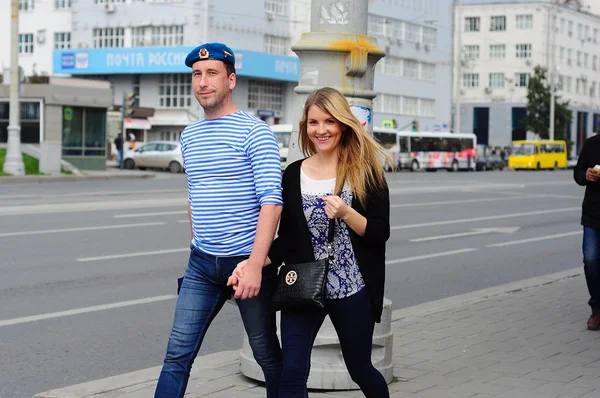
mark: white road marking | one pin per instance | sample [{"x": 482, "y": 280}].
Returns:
[
  {"x": 73, "y": 207},
  {"x": 84, "y": 310},
  {"x": 452, "y": 202},
  {"x": 548, "y": 237},
  {"x": 498, "y": 217},
  {"x": 80, "y": 229},
  {"x": 476, "y": 231},
  {"x": 457, "y": 187},
  {"x": 164, "y": 213},
  {"x": 432, "y": 255},
  {"x": 128, "y": 255}
]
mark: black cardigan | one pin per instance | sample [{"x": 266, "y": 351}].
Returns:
[
  {"x": 588, "y": 158},
  {"x": 293, "y": 244}
]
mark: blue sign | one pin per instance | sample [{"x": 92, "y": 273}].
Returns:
[{"x": 150, "y": 60}]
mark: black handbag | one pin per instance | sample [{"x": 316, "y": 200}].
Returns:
[{"x": 301, "y": 286}]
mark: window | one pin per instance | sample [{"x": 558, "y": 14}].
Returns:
[
  {"x": 62, "y": 40},
  {"x": 521, "y": 79},
  {"x": 411, "y": 69},
  {"x": 26, "y": 43},
  {"x": 577, "y": 86},
  {"x": 587, "y": 32},
  {"x": 166, "y": 36},
  {"x": 585, "y": 59},
  {"x": 471, "y": 80},
  {"x": 276, "y": 45},
  {"x": 109, "y": 1},
  {"x": 429, "y": 36},
  {"x": 276, "y": 7},
  {"x": 265, "y": 95},
  {"x": 568, "y": 84},
  {"x": 376, "y": 26},
  {"x": 562, "y": 25},
  {"x": 497, "y": 23},
  {"x": 579, "y": 31},
  {"x": 578, "y": 58},
  {"x": 427, "y": 108},
  {"x": 497, "y": 51},
  {"x": 390, "y": 66},
  {"x": 29, "y": 119},
  {"x": 569, "y": 56},
  {"x": 413, "y": 33},
  {"x": 428, "y": 72},
  {"x": 58, "y": 4},
  {"x": 26, "y": 5},
  {"x": 595, "y": 38},
  {"x": 472, "y": 24},
  {"x": 387, "y": 103},
  {"x": 524, "y": 21},
  {"x": 174, "y": 90},
  {"x": 471, "y": 52},
  {"x": 595, "y": 62},
  {"x": 410, "y": 106},
  {"x": 561, "y": 54},
  {"x": 523, "y": 50},
  {"x": 570, "y": 29},
  {"x": 84, "y": 132},
  {"x": 496, "y": 80},
  {"x": 109, "y": 37}
]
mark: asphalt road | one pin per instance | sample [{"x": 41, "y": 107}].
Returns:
[{"x": 81, "y": 298}]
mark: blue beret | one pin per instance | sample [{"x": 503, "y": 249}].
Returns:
[{"x": 216, "y": 51}]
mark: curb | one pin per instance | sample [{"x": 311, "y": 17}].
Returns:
[
  {"x": 70, "y": 178},
  {"x": 147, "y": 377}
]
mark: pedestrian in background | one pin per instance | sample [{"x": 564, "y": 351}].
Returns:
[
  {"x": 233, "y": 171},
  {"x": 587, "y": 174},
  {"x": 119, "y": 145},
  {"x": 343, "y": 159}
]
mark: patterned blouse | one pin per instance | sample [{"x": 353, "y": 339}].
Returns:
[{"x": 344, "y": 278}]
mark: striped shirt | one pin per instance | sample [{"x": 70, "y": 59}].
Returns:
[{"x": 233, "y": 168}]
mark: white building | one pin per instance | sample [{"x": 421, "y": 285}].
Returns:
[
  {"x": 44, "y": 26},
  {"x": 502, "y": 41},
  {"x": 138, "y": 46}
]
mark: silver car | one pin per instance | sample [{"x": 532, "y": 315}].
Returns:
[{"x": 156, "y": 154}]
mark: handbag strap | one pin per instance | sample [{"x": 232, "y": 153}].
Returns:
[{"x": 331, "y": 231}]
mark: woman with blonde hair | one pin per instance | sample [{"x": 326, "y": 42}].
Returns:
[{"x": 341, "y": 158}]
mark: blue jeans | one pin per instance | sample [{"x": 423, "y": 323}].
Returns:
[
  {"x": 352, "y": 318},
  {"x": 591, "y": 264},
  {"x": 203, "y": 292}
]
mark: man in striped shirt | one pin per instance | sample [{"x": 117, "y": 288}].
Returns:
[{"x": 234, "y": 190}]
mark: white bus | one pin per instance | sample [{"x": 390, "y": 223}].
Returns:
[{"x": 427, "y": 150}]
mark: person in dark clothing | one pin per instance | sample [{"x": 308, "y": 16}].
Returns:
[
  {"x": 587, "y": 174},
  {"x": 119, "y": 144}
]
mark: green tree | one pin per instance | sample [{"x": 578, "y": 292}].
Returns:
[{"x": 537, "y": 119}]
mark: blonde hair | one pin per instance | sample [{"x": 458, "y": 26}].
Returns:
[{"x": 359, "y": 155}]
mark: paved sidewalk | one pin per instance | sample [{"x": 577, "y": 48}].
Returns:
[
  {"x": 525, "y": 339},
  {"x": 110, "y": 173}
]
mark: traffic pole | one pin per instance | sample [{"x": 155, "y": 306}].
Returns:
[
  {"x": 13, "y": 163},
  {"x": 337, "y": 53}
]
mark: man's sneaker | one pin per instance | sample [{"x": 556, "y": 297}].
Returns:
[{"x": 594, "y": 321}]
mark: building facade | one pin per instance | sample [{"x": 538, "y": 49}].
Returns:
[
  {"x": 501, "y": 42},
  {"x": 138, "y": 46}
]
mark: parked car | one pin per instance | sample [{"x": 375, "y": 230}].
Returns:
[
  {"x": 491, "y": 162},
  {"x": 156, "y": 154},
  {"x": 572, "y": 162}
]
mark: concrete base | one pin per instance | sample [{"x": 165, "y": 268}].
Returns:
[{"x": 327, "y": 367}]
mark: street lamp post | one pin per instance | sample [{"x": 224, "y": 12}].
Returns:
[
  {"x": 13, "y": 163},
  {"x": 551, "y": 68}
]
